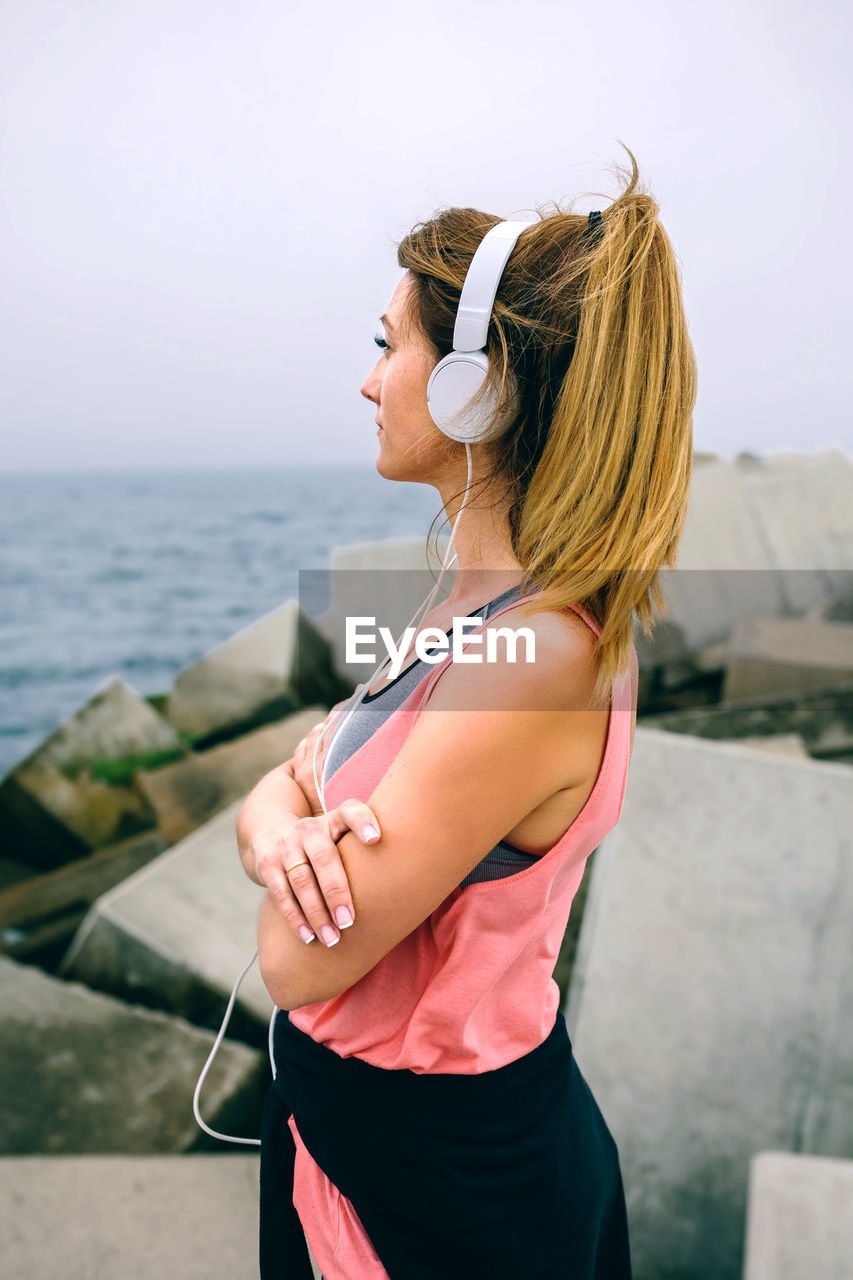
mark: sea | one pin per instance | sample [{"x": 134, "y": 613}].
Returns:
[{"x": 138, "y": 573}]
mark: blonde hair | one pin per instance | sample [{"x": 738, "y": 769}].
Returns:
[{"x": 589, "y": 353}]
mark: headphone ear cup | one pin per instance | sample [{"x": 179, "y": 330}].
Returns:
[{"x": 452, "y": 384}]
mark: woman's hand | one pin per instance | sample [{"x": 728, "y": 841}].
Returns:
[
  {"x": 316, "y": 891},
  {"x": 302, "y": 760}
]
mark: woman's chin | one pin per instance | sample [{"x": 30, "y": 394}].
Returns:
[
  {"x": 386, "y": 467},
  {"x": 409, "y": 468}
]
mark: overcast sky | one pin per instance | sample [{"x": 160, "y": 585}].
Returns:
[{"x": 199, "y": 202}]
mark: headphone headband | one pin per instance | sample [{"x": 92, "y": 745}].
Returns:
[{"x": 481, "y": 284}]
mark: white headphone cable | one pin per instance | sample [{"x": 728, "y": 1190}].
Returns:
[{"x": 250, "y": 1142}]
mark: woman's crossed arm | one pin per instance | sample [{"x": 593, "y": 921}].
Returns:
[{"x": 462, "y": 779}]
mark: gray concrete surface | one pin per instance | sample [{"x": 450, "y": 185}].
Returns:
[
  {"x": 82, "y": 1072},
  {"x": 130, "y": 1218},
  {"x": 770, "y": 655},
  {"x": 115, "y": 723},
  {"x": 275, "y": 666},
  {"x": 176, "y": 934},
  {"x": 780, "y": 744},
  {"x": 840, "y": 609},
  {"x": 81, "y": 882},
  {"x": 772, "y": 536},
  {"x": 386, "y": 579},
  {"x": 52, "y": 810},
  {"x": 800, "y": 1218},
  {"x": 186, "y": 794},
  {"x": 822, "y": 717},
  {"x": 724, "y": 564},
  {"x": 711, "y": 1003},
  {"x": 803, "y": 506},
  {"x": 55, "y": 902}
]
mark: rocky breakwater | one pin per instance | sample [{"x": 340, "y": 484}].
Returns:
[
  {"x": 122, "y": 900},
  {"x": 102, "y": 802}
]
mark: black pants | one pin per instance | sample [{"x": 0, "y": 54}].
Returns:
[{"x": 507, "y": 1173}]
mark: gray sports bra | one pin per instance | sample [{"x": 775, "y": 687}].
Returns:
[{"x": 375, "y": 708}]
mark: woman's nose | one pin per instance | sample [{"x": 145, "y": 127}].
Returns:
[{"x": 372, "y": 384}]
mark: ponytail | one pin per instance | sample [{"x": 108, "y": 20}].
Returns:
[{"x": 589, "y": 330}]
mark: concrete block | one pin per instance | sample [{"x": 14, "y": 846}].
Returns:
[
  {"x": 130, "y": 1218},
  {"x": 800, "y": 1218},
  {"x": 387, "y": 580},
  {"x": 176, "y": 934},
  {"x": 53, "y": 807},
  {"x": 823, "y": 718},
  {"x": 83, "y": 881},
  {"x": 12, "y": 872},
  {"x": 747, "y": 460},
  {"x": 186, "y": 794},
  {"x": 840, "y": 607},
  {"x": 43, "y": 943},
  {"x": 723, "y": 568},
  {"x": 268, "y": 670},
  {"x": 81, "y": 1072},
  {"x": 53, "y": 903},
  {"x": 766, "y": 655},
  {"x": 803, "y": 505},
  {"x": 711, "y": 1003},
  {"x": 780, "y": 744},
  {"x": 665, "y": 647},
  {"x": 771, "y": 536}
]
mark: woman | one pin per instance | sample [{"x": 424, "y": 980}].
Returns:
[{"x": 427, "y": 1118}]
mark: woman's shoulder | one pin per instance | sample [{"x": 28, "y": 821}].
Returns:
[{"x": 529, "y": 657}]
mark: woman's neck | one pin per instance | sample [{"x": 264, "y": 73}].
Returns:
[{"x": 485, "y": 564}]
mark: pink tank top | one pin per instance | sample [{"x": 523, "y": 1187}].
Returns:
[{"x": 471, "y": 988}]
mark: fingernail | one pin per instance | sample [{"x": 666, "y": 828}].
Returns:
[
  {"x": 369, "y": 832},
  {"x": 305, "y": 933},
  {"x": 328, "y": 935},
  {"x": 343, "y": 917}
]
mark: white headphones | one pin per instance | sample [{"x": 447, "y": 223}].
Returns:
[{"x": 459, "y": 376}]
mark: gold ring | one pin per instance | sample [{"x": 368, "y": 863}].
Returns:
[{"x": 304, "y": 863}]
